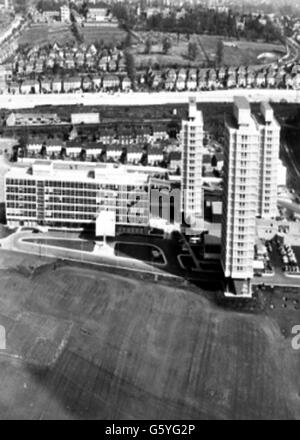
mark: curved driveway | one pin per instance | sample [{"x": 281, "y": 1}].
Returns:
[{"x": 15, "y": 242}]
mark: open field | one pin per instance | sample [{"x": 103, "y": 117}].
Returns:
[
  {"x": 107, "y": 34},
  {"x": 44, "y": 33},
  {"x": 235, "y": 52},
  {"x": 126, "y": 349}
]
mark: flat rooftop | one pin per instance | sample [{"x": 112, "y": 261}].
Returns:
[{"x": 106, "y": 173}]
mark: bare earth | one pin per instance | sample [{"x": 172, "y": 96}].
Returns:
[{"x": 85, "y": 344}]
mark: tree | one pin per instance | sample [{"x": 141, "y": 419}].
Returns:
[
  {"x": 193, "y": 50},
  {"x": 82, "y": 155},
  {"x": 148, "y": 45},
  {"x": 214, "y": 161},
  {"x": 166, "y": 45},
  {"x": 128, "y": 40},
  {"x": 130, "y": 66},
  {"x": 219, "y": 53},
  {"x": 123, "y": 157}
]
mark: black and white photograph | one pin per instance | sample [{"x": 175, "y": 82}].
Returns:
[{"x": 149, "y": 213}]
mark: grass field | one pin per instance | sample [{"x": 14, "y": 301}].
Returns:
[
  {"x": 44, "y": 33},
  {"x": 244, "y": 52},
  {"x": 104, "y": 33},
  {"x": 125, "y": 349}
]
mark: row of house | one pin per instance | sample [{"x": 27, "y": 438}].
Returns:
[
  {"x": 69, "y": 84},
  {"x": 88, "y": 58},
  {"x": 232, "y": 77},
  {"x": 131, "y": 154},
  {"x": 113, "y": 82}
]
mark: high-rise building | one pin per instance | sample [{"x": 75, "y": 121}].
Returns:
[
  {"x": 240, "y": 192},
  {"x": 269, "y": 142},
  {"x": 191, "y": 168}
]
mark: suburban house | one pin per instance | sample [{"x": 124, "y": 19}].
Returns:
[
  {"x": 14, "y": 88},
  {"x": 110, "y": 82},
  {"x": 181, "y": 75},
  {"x": 231, "y": 80},
  {"x": 250, "y": 79},
  {"x": 202, "y": 82},
  {"x": 29, "y": 68},
  {"x": 295, "y": 69},
  {"x": 72, "y": 84},
  {"x": 102, "y": 64},
  {"x": 288, "y": 81},
  {"x": 171, "y": 74},
  {"x": 242, "y": 70},
  {"x": 56, "y": 85},
  {"x": 260, "y": 80},
  {"x": 121, "y": 64},
  {"x": 87, "y": 84},
  {"x": 279, "y": 80},
  {"x": 126, "y": 83},
  {"x": 191, "y": 83},
  {"x": 221, "y": 73},
  {"x": 296, "y": 81},
  {"x": 97, "y": 82},
  {"x": 30, "y": 86},
  {"x": 270, "y": 79},
  {"x": 50, "y": 63},
  {"x": 39, "y": 66},
  {"x": 170, "y": 83},
  {"x": 156, "y": 80},
  {"x": 180, "y": 83},
  {"x": 46, "y": 86},
  {"x": 212, "y": 79},
  {"x": 231, "y": 71},
  {"x": 241, "y": 80}
]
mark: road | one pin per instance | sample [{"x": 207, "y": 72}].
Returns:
[{"x": 145, "y": 98}]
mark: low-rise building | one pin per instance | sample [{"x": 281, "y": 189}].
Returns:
[{"x": 74, "y": 195}]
